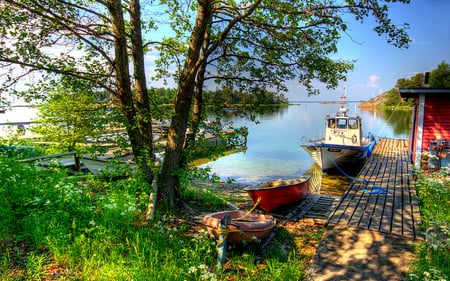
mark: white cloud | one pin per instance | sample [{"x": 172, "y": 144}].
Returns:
[{"x": 373, "y": 81}]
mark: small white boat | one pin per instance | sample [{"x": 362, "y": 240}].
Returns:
[
  {"x": 343, "y": 144},
  {"x": 108, "y": 165}
]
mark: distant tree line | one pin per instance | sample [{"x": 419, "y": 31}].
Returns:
[
  {"x": 439, "y": 78},
  {"x": 225, "y": 97}
]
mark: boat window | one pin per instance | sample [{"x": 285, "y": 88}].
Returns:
[
  {"x": 342, "y": 123},
  {"x": 331, "y": 123},
  {"x": 353, "y": 124}
]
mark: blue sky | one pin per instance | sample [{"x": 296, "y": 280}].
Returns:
[{"x": 379, "y": 65}]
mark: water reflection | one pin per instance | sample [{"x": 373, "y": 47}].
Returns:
[
  {"x": 398, "y": 119},
  {"x": 273, "y": 150},
  {"x": 325, "y": 183}
]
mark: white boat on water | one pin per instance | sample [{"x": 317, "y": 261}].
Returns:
[{"x": 343, "y": 145}]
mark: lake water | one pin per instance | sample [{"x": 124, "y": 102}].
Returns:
[
  {"x": 14, "y": 116},
  {"x": 273, "y": 149}
]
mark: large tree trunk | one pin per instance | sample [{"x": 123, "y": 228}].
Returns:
[
  {"x": 145, "y": 156},
  {"x": 183, "y": 101},
  {"x": 138, "y": 124},
  {"x": 198, "y": 96}
]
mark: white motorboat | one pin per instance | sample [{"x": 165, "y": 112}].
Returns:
[{"x": 343, "y": 145}]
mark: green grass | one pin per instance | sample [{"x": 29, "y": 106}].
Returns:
[
  {"x": 432, "y": 261},
  {"x": 56, "y": 227}
]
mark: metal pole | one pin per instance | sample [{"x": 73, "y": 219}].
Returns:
[{"x": 221, "y": 249}]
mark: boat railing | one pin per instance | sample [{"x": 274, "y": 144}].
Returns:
[{"x": 314, "y": 138}]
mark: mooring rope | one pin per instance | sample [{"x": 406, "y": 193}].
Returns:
[
  {"x": 228, "y": 231},
  {"x": 375, "y": 189},
  {"x": 387, "y": 120}
]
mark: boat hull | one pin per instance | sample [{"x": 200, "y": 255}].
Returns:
[
  {"x": 253, "y": 228},
  {"x": 275, "y": 197},
  {"x": 327, "y": 156},
  {"x": 97, "y": 166}
]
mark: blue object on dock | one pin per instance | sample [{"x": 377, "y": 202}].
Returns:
[{"x": 376, "y": 190}]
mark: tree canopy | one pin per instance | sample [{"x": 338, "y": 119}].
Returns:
[
  {"x": 246, "y": 45},
  {"x": 440, "y": 77}
]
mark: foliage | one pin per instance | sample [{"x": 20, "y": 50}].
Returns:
[
  {"x": 440, "y": 77},
  {"x": 67, "y": 120},
  {"x": 52, "y": 226},
  {"x": 432, "y": 261},
  {"x": 413, "y": 82},
  {"x": 229, "y": 97}
]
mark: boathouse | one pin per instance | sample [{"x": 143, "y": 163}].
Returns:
[{"x": 430, "y": 128}]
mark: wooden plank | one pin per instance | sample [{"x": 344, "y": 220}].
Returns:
[
  {"x": 370, "y": 208},
  {"x": 362, "y": 207},
  {"x": 343, "y": 204},
  {"x": 408, "y": 224},
  {"x": 386, "y": 221},
  {"x": 397, "y": 219},
  {"x": 49, "y": 156},
  {"x": 375, "y": 222}
]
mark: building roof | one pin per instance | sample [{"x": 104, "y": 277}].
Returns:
[{"x": 414, "y": 92}]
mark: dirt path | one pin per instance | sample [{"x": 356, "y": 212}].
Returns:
[{"x": 356, "y": 254}]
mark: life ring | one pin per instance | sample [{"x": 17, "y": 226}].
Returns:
[{"x": 354, "y": 139}]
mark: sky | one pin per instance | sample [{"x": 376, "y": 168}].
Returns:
[{"x": 379, "y": 65}]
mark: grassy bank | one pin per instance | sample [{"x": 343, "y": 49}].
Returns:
[
  {"x": 432, "y": 261},
  {"x": 53, "y": 227}
]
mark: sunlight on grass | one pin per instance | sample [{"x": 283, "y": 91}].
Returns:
[{"x": 55, "y": 226}]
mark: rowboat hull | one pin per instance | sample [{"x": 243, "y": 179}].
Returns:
[
  {"x": 328, "y": 156},
  {"x": 97, "y": 166},
  {"x": 277, "y": 196},
  {"x": 253, "y": 228}
]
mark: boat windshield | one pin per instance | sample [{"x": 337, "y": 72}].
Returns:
[
  {"x": 353, "y": 123},
  {"x": 331, "y": 123},
  {"x": 341, "y": 123}
]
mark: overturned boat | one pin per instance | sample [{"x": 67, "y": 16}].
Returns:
[{"x": 343, "y": 144}]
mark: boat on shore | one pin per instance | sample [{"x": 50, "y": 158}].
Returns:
[
  {"x": 250, "y": 228},
  {"x": 119, "y": 166},
  {"x": 343, "y": 144},
  {"x": 274, "y": 194}
]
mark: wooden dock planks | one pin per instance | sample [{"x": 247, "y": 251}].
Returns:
[{"x": 395, "y": 212}]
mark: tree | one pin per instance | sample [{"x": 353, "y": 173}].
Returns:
[
  {"x": 251, "y": 45},
  {"x": 413, "y": 82},
  {"x": 440, "y": 77},
  {"x": 262, "y": 43},
  {"x": 67, "y": 119},
  {"x": 89, "y": 41}
]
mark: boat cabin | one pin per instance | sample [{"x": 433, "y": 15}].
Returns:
[{"x": 343, "y": 129}]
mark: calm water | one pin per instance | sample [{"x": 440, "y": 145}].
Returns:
[
  {"x": 14, "y": 116},
  {"x": 273, "y": 149}
]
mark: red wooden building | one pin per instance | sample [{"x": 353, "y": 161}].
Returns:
[{"x": 430, "y": 128}]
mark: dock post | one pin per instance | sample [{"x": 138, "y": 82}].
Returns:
[{"x": 222, "y": 246}]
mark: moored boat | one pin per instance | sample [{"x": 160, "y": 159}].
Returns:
[
  {"x": 250, "y": 228},
  {"x": 274, "y": 194},
  {"x": 343, "y": 144}
]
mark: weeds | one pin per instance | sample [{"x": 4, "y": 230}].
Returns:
[
  {"x": 432, "y": 261},
  {"x": 56, "y": 227}
]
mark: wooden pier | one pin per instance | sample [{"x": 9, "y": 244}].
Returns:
[{"x": 383, "y": 196}]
